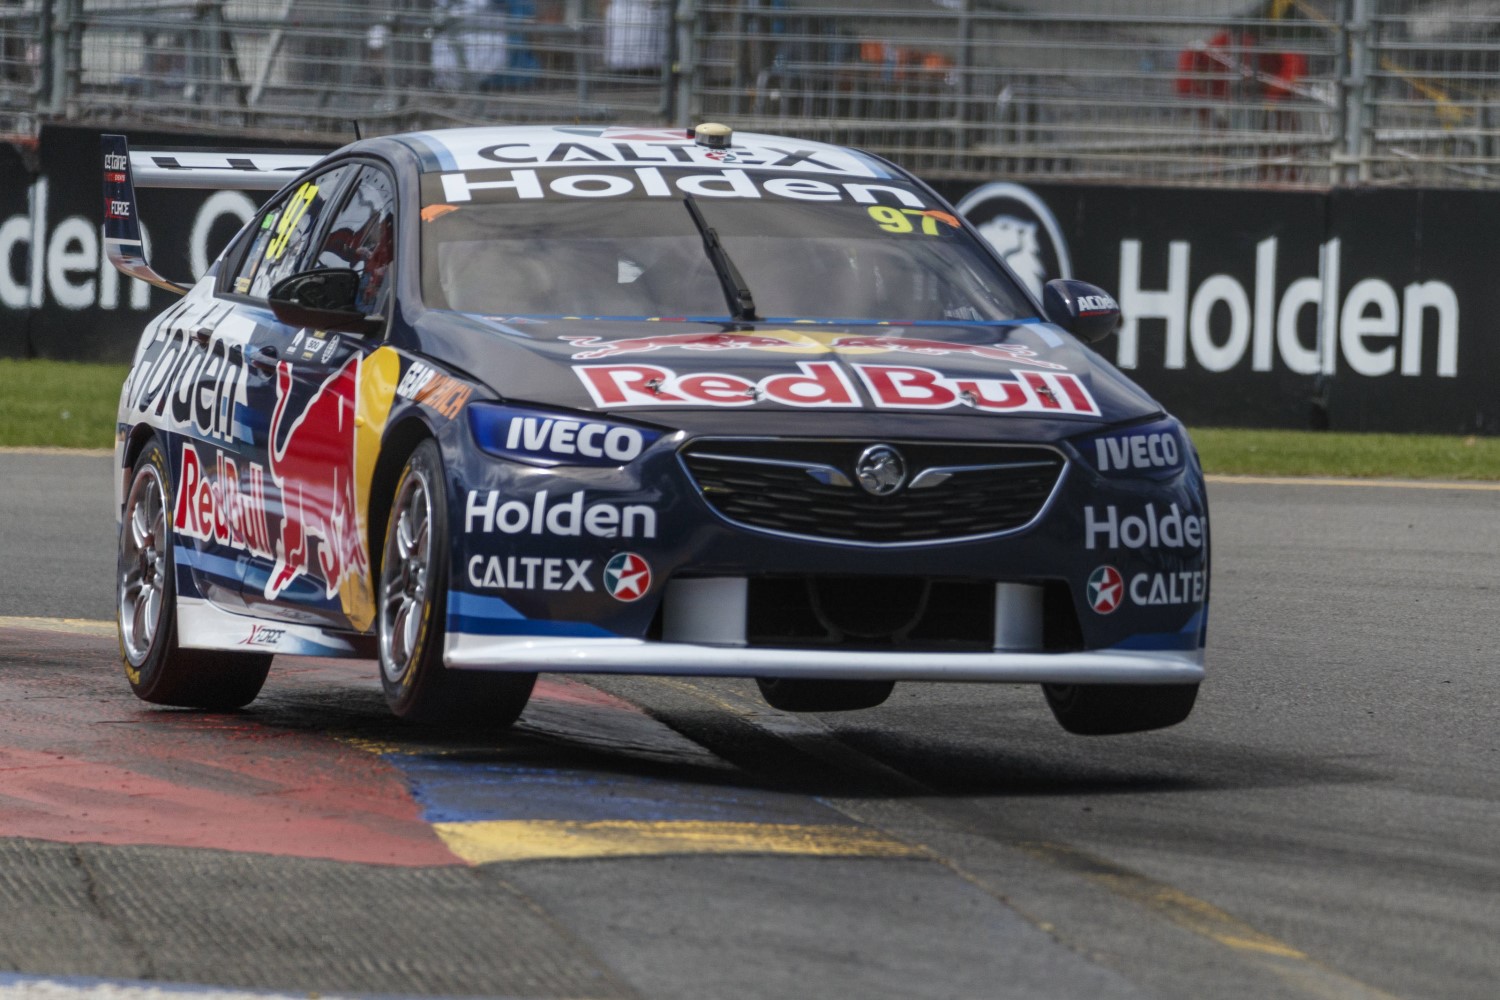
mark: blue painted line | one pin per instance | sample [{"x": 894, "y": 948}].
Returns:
[{"x": 460, "y": 790}]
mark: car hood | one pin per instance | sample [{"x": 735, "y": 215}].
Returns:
[{"x": 651, "y": 369}]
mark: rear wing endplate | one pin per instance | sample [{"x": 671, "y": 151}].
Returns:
[{"x": 192, "y": 169}]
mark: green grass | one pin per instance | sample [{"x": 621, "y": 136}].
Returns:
[
  {"x": 1326, "y": 453},
  {"x": 59, "y": 404},
  {"x": 62, "y": 404}
]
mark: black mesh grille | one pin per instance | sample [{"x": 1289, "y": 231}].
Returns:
[{"x": 783, "y": 486}]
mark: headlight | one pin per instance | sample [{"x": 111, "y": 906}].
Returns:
[{"x": 541, "y": 438}]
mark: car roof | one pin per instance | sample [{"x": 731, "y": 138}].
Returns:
[{"x": 487, "y": 148}]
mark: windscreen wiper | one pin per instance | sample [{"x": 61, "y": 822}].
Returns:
[{"x": 736, "y": 292}]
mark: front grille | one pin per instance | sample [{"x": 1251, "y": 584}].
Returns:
[
  {"x": 910, "y": 613},
  {"x": 809, "y": 488}
]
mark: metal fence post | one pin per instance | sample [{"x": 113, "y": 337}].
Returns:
[
  {"x": 62, "y": 52},
  {"x": 1354, "y": 154},
  {"x": 686, "y": 67}
]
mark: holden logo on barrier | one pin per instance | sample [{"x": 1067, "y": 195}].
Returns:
[
  {"x": 1106, "y": 589},
  {"x": 627, "y": 577},
  {"x": 880, "y": 470},
  {"x": 1021, "y": 229}
]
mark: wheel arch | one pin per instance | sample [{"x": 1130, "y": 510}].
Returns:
[
  {"x": 400, "y": 441},
  {"x": 135, "y": 443}
]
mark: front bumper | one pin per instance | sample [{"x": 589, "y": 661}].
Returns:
[{"x": 640, "y": 656}]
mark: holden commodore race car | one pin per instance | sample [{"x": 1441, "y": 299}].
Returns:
[{"x": 485, "y": 402}]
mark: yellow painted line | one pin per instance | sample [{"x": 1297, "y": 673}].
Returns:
[
  {"x": 1187, "y": 912},
  {"x": 1390, "y": 484},
  {"x": 73, "y": 626},
  {"x": 529, "y": 840}
]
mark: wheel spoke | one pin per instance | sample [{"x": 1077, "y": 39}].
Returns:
[
  {"x": 403, "y": 588},
  {"x": 409, "y": 628},
  {"x": 140, "y": 532}
]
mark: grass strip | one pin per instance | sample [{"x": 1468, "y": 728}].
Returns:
[
  {"x": 1360, "y": 456},
  {"x": 59, "y": 404},
  {"x": 67, "y": 404}
]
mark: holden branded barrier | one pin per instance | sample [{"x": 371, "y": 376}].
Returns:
[
  {"x": 59, "y": 296},
  {"x": 1351, "y": 309}
]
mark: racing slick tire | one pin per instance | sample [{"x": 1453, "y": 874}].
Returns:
[
  {"x": 158, "y": 669},
  {"x": 795, "y": 694},
  {"x": 1110, "y": 709},
  {"x": 412, "y": 599}
]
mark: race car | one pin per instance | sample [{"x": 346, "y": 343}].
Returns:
[{"x": 485, "y": 402}]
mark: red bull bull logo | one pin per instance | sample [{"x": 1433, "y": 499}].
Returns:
[
  {"x": 1012, "y": 353},
  {"x": 807, "y": 343},
  {"x": 684, "y": 341},
  {"x": 312, "y": 458}
]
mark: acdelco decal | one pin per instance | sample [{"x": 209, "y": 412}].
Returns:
[{"x": 824, "y": 384}]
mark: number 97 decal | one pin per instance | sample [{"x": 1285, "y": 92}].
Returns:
[
  {"x": 908, "y": 220},
  {"x": 296, "y": 208}
]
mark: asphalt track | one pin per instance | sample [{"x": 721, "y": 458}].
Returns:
[{"x": 1324, "y": 826}]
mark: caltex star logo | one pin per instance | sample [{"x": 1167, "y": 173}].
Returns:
[
  {"x": 627, "y": 577},
  {"x": 1106, "y": 589}
]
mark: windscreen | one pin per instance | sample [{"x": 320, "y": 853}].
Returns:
[{"x": 603, "y": 245}]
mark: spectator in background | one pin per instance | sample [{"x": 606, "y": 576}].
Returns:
[
  {"x": 635, "y": 36},
  {"x": 469, "y": 47}
]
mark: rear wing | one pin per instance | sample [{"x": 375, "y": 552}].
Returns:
[{"x": 196, "y": 169}]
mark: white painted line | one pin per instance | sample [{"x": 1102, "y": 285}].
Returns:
[
  {"x": 85, "y": 452},
  {"x": 67, "y": 988}
]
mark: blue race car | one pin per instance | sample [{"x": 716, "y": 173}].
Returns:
[{"x": 485, "y": 402}]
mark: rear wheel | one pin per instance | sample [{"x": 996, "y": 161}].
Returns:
[
  {"x": 1108, "y": 709},
  {"x": 159, "y": 670},
  {"x": 413, "y": 595},
  {"x": 795, "y": 694}
]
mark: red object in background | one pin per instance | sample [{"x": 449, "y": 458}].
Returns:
[{"x": 1208, "y": 70}]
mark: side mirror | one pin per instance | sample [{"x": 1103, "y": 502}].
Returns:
[
  {"x": 322, "y": 299},
  {"x": 1084, "y": 310}
]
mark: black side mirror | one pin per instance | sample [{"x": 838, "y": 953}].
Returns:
[
  {"x": 323, "y": 299},
  {"x": 1084, "y": 310}
]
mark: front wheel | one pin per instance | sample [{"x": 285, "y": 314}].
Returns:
[
  {"x": 413, "y": 604},
  {"x": 160, "y": 671},
  {"x": 1109, "y": 709}
]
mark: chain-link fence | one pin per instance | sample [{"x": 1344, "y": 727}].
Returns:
[{"x": 1292, "y": 93}]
